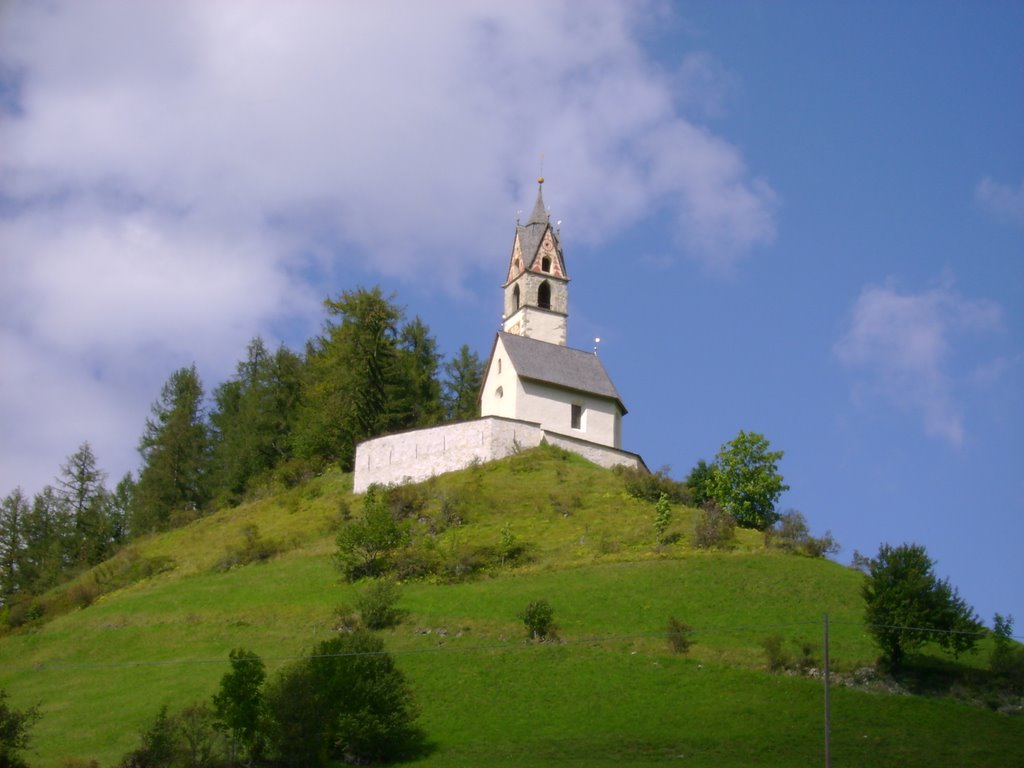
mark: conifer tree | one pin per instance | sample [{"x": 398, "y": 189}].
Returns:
[
  {"x": 14, "y": 511},
  {"x": 174, "y": 448},
  {"x": 253, "y": 417},
  {"x": 418, "y": 395},
  {"x": 352, "y": 370},
  {"x": 80, "y": 488},
  {"x": 463, "y": 377}
]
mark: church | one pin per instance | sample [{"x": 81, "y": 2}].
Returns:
[{"x": 535, "y": 388}]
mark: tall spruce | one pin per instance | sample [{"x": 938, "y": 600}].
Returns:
[
  {"x": 14, "y": 511},
  {"x": 418, "y": 396},
  {"x": 352, "y": 373},
  {"x": 253, "y": 417},
  {"x": 174, "y": 449},
  {"x": 80, "y": 487},
  {"x": 50, "y": 544},
  {"x": 461, "y": 388}
]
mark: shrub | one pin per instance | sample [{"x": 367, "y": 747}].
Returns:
[
  {"x": 364, "y": 546},
  {"x": 1007, "y": 659},
  {"x": 158, "y": 748},
  {"x": 679, "y": 635},
  {"x": 714, "y": 527},
  {"x": 405, "y": 501},
  {"x": 538, "y": 617},
  {"x": 253, "y": 549},
  {"x": 699, "y": 482},
  {"x": 510, "y": 549},
  {"x": 376, "y": 604},
  {"x": 346, "y": 701},
  {"x": 83, "y": 593},
  {"x": 778, "y": 658},
  {"x": 791, "y": 534},
  {"x": 649, "y": 486},
  {"x": 662, "y": 516},
  {"x": 14, "y": 732}
]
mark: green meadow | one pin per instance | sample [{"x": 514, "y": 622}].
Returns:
[{"x": 608, "y": 691}]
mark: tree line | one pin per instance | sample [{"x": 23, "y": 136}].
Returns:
[{"x": 283, "y": 416}]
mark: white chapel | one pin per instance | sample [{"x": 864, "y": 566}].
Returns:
[
  {"x": 535, "y": 388},
  {"x": 531, "y": 374}
]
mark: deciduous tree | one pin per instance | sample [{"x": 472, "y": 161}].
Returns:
[
  {"x": 908, "y": 606},
  {"x": 239, "y": 702},
  {"x": 746, "y": 481}
]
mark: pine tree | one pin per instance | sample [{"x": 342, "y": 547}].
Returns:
[
  {"x": 80, "y": 487},
  {"x": 174, "y": 448},
  {"x": 352, "y": 371},
  {"x": 418, "y": 395},
  {"x": 463, "y": 378},
  {"x": 14, "y": 509},
  {"x": 253, "y": 417}
]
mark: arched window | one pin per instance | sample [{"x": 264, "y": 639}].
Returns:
[
  {"x": 515, "y": 298},
  {"x": 544, "y": 295},
  {"x": 545, "y": 264}
]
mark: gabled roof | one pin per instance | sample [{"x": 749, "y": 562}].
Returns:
[{"x": 559, "y": 365}]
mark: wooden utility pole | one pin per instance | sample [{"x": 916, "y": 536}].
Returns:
[{"x": 828, "y": 706}]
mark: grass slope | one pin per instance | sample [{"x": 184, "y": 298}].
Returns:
[{"x": 609, "y": 692}]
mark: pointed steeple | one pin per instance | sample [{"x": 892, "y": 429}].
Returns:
[
  {"x": 540, "y": 213},
  {"x": 536, "y": 288}
]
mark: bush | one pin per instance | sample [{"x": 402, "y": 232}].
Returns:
[
  {"x": 14, "y": 732},
  {"x": 791, "y": 534},
  {"x": 538, "y": 617},
  {"x": 346, "y": 701},
  {"x": 405, "y": 501},
  {"x": 1007, "y": 659},
  {"x": 679, "y": 635},
  {"x": 778, "y": 659},
  {"x": 253, "y": 549},
  {"x": 649, "y": 486},
  {"x": 364, "y": 546},
  {"x": 715, "y": 528},
  {"x": 83, "y": 593},
  {"x": 662, "y": 516},
  {"x": 376, "y": 604}
]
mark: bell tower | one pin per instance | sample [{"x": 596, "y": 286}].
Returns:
[{"x": 537, "y": 286}]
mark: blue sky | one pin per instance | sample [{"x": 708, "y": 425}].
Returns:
[{"x": 802, "y": 219}]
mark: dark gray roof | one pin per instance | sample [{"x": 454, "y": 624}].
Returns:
[
  {"x": 532, "y": 233},
  {"x": 559, "y": 365}
]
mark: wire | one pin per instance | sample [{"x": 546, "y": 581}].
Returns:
[{"x": 505, "y": 645}]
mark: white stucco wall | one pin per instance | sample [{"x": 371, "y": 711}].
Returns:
[
  {"x": 501, "y": 375},
  {"x": 551, "y": 407},
  {"x": 538, "y": 324},
  {"x": 546, "y": 405},
  {"x": 421, "y": 454}
]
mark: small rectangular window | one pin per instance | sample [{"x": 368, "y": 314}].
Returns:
[{"x": 577, "y": 416}]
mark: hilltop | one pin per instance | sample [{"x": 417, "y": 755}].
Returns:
[{"x": 159, "y": 618}]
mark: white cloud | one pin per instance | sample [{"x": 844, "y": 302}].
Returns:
[
  {"x": 1003, "y": 200},
  {"x": 901, "y": 344},
  {"x": 170, "y": 168}
]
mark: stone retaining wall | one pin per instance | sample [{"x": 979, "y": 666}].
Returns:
[{"x": 420, "y": 454}]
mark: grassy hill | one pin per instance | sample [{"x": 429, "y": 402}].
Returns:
[{"x": 162, "y": 616}]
